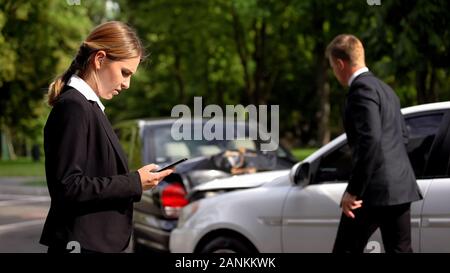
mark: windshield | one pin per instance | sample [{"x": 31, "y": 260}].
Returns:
[{"x": 168, "y": 149}]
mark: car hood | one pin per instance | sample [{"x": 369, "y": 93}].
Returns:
[{"x": 241, "y": 181}]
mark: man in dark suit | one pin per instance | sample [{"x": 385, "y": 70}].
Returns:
[{"x": 382, "y": 184}]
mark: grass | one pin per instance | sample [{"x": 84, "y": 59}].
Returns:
[
  {"x": 26, "y": 167},
  {"x": 37, "y": 183},
  {"x": 22, "y": 167},
  {"x": 302, "y": 153}
]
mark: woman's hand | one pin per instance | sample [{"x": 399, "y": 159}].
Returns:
[{"x": 149, "y": 178}]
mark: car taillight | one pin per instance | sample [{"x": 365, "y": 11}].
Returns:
[{"x": 173, "y": 199}]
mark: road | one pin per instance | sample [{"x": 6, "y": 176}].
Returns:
[{"x": 21, "y": 220}]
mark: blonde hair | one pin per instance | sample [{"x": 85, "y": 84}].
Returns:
[
  {"x": 346, "y": 47},
  {"x": 117, "y": 39}
]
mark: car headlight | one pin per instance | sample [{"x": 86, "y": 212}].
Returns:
[{"x": 187, "y": 213}]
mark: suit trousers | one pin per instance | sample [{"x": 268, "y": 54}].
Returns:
[{"x": 394, "y": 223}]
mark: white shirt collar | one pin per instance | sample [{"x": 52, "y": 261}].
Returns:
[
  {"x": 84, "y": 88},
  {"x": 356, "y": 74}
]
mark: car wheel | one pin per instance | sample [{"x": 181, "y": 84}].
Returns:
[{"x": 224, "y": 244}]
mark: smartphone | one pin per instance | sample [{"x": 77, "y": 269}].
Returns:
[{"x": 171, "y": 165}]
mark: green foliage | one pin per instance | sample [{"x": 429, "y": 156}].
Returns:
[
  {"x": 302, "y": 153},
  {"x": 22, "y": 167},
  {"x": 228, "y": 52},
  {"x": 38, "y": 40},
  {"x": 418, "y": 44}
]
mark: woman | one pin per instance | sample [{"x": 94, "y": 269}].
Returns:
[{"x": 92, "y": 191}]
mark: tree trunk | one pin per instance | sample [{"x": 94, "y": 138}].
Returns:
[
  {"x": 321, "y": 81},
  {"x": 241, "y": 47},
  {"x": 5, "y": 155},
  {"x": 432, "y": 84},
  {"x": 425, "y": 92},
  {"x": 421, "y": 76},
  {"x": 8, "y": 153},
  {"x": 323, "y": 92},
  {"x": 179, "y": 78},
  {"x": 259, "y": 60}
]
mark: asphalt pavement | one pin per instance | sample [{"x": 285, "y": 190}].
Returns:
[{"x": 23, "y": 210}]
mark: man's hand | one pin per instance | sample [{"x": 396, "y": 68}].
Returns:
[
  {"x": 349, "y": 203},
  {"x": 149, "y": 178}
]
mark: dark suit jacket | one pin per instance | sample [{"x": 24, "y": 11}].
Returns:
[
  {"x": 381, "y": 171},
  {"x": 92, "y": 192}
]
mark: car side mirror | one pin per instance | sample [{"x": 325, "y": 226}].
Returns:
[{"x": 300, "y": 174}]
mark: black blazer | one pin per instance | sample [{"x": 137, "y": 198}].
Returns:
[
  {"x": 91, "y": 189},
  {"x": 381, "y": 171}
]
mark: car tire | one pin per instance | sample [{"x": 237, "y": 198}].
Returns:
[{"x": 224, "y": 244}]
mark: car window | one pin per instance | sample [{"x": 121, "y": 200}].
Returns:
[
  {"x": 438, "y": 158},
  {"x": 160, "y": 144},
  {"x": 168, "y": 149},
  {"x": 336, "y": 166},
  {"x": 422, "y": 131},
  {"x": 242, "y": 143}
]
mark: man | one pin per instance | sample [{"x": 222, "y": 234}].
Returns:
[{"x": 382, "y": 184}]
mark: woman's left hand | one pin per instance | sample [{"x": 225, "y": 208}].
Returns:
[{"x": 149, "y": 178}]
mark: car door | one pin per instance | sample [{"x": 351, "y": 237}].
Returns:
[
  {"x": 435, "y": 226},
  {"x": 435, "y": 232},
  {"x": 311, "y": 214}
]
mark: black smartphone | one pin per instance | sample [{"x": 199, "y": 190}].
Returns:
[{"x": 171, "y": 165}]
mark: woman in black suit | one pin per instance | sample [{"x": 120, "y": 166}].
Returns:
[{"x": 92, "y": 191}]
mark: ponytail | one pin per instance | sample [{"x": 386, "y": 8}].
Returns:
[
  {"x": 79, "y": 64},
  {"x": 56, "y": 86}
]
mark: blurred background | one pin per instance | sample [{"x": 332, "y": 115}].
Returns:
[{"x": 262, "y": 52}]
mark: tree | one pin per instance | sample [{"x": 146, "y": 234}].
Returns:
[
  {"x": 416, "y": 37},
  {"x": 190, "y": 55},
  {"x": 38, "y": 40}
]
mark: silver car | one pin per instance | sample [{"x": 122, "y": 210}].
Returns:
[{"x": 299, "y": 211}]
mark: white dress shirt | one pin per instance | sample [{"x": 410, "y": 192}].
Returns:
[
  {"x": 84, "y": 88},
  {"x": 356, "y": 74}
]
